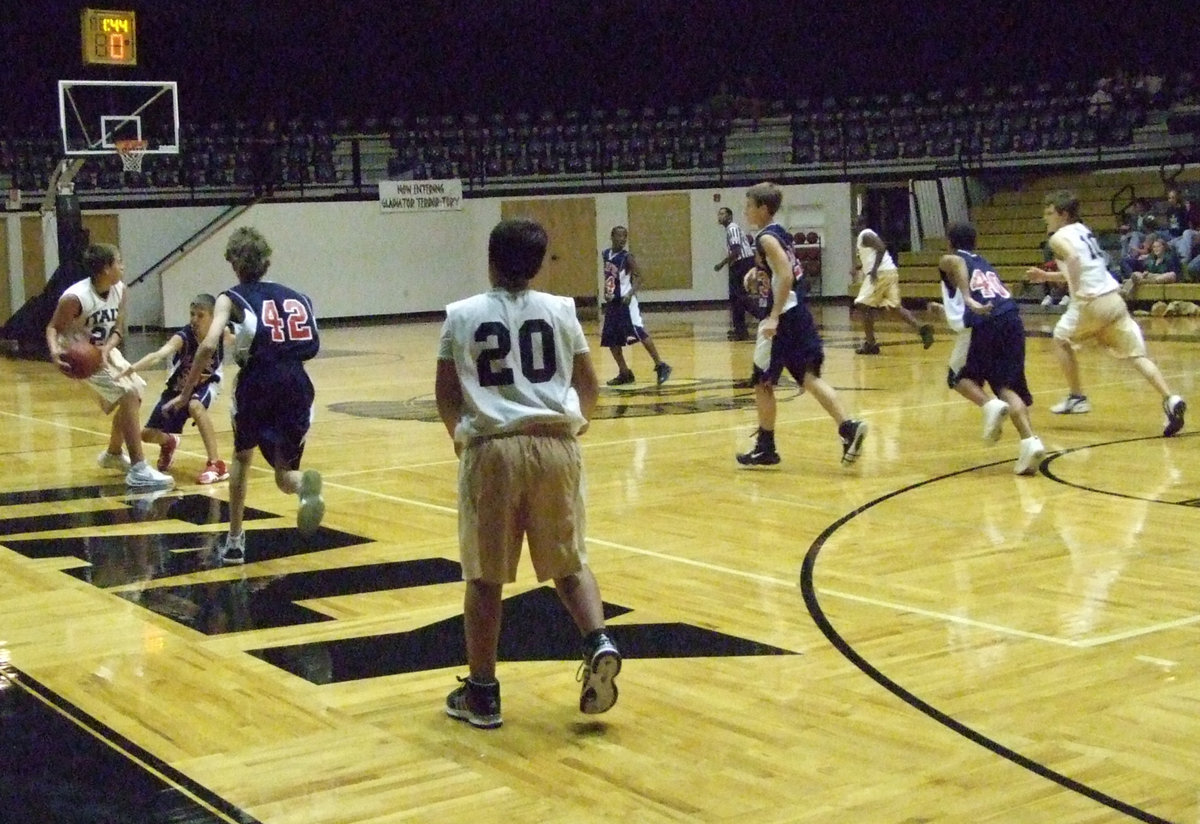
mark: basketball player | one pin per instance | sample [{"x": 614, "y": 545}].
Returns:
[
  {"x": 180, "y": 349},
  {"x": 880, "y": 288},
  {"x": 1096, "y": 312},
  {"x": 739, "y": 259},
  {"x": 95, "y": 309},
  {"x": 275, "y": 331},
  {"x": 979, "y": 304},
  {"x": 792, "y": 334},
  {"x": 515, "y": 387},
  {"x": 622, "y": 319}
]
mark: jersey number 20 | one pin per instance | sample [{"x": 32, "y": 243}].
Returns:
[{"x": 492, "y": 362}]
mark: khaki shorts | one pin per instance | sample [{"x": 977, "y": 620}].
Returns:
[
  {"x": 881, "y": 293},
  {"x": 512, "y": 487},
  {"x": 111, "y": 389},
  {"x": 1104, "y": 320}
]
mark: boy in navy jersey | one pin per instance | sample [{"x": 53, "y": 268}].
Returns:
[
  {"x": 791, "y": 332},
  {"x": 515, "y": 387},
  {"x": 275, "y": 331},
  {"x": 164, "y": 429},
  {"x": 622, "y": 317},
  {"x": 995, "y": 353}
]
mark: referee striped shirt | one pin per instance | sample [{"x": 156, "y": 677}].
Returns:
[{"x": 737, "y": 241}]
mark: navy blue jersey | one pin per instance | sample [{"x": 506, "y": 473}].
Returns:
[
  {"x": 278, "y": 324},
  {"x": 785, "y": 240},
  {"x": 616, "y": 274},
  {"x": 181, "y": 363},
  {"x": 986, "y": 287}
]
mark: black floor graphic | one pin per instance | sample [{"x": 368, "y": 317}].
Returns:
[
  {"x": 53, "y": 771},
  {"x": 535, "y": 628},
  {"x": 117, "y": 560},
  {"x": 268, "y": 602}
]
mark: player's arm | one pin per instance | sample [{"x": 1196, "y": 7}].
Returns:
[
  {"x": 1067, "y": 258},
  {"x": 635, "y": 276},
  {"x": 586, "y": 384},
  {"x": 447, "y": 391},
  {"x": 66, "y": 312},
  {"x": 781, "y": 282},
  {"x": 118, "y": 330},
  {"x": 874, "y": 241},
  {"x": 204, "y": 352},
  {"x": 955, "y": 268},
  {"x": 157, "y": 356},
  {"x": 731, "y": 252}
]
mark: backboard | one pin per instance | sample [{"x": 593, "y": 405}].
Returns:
[{"x": 95, "y": 114}]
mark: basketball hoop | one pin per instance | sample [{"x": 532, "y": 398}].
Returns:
[{"x": 131, "y": 152}]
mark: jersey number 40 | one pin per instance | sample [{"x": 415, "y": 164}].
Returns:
[{"x": 535, "y": 337}]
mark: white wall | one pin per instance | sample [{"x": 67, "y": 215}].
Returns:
[{"x": 353, "y": 260}]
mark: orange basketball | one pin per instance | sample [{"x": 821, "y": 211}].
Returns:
[{"x": 83, "y": 358}]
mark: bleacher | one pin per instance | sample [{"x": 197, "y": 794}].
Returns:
[
  {"x": 857, "y": 137},
  {"x": 1011, "y": 230}
]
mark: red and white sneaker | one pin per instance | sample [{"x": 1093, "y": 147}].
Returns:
[
  {"x": 213, "y": 471},
  {"x": 166, "y": 452}
]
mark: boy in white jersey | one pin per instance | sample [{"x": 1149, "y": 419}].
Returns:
[
  {"x": 95, "y": 309},
  {"x": 1097, "y": 311},
  {"x": 515, "y": 387},
  {"x": 880, "y": 289}
]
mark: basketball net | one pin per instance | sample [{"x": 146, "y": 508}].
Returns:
[{"x": 131, "y": 152}]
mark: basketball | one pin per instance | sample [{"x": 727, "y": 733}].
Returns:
[{"x": 83, "y": 359}]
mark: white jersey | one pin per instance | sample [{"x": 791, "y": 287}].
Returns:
[
  {"x": 866, "y": 255},
  {"x": 955, "y": 305},
  {"x": 1094, "y": 278},
  {"x": 100, "y": 312},
  {"x": 515, "y": 356}
]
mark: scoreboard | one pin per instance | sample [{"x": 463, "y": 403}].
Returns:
[{"x": 109, "y": 37}]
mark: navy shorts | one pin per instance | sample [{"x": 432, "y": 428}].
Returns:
[
  {"x": 272, "y": 409},
  {"x": 621, "y": 328},
  {"x": 173, "y": 421},
  {"x": 997, "y": 355},
  {"x": 796, "y": 347}
]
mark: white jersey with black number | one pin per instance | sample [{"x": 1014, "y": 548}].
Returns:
[
  {"x": 866, "y": 255},
  {"x": 1094, "y": 278},
  {"x": 515, "y": 357},
  {"x": 99, "y": 312}
]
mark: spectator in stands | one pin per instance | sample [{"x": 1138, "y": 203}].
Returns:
[
  {"x": 1135, "y": 261},
  {"x": 1160, "y": 266},
  {"x": 1181, "y": 232},
  {"x": 1133, "y": 226},
  {"x": 1100, "y": 104},
  {"x": 264, "y": 150}
]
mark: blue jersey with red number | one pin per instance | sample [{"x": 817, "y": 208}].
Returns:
[
  {"x": 181, "y": 363},
  {"x": 278, "y": 324},
  {"x": 986, "y": 287}
]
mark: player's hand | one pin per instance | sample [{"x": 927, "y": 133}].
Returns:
[
  {"x": 173, "y": 404},
  {"x": 980, "y": 308},
  {"x": 626, "y": 298},
  {"x": 768, "y": 327},
  {"x": 126, "y": 372},
  {"x": 1036, "y": 275},
  {"x": 583, "y": 428},
  {"x": 717, "y": 268},
  {"x": 57, "y": 359}
]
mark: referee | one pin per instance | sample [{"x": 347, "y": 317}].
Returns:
[{"x": 739, "y": 259}]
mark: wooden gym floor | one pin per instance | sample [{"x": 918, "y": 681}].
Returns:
[{"x": 922, "y": 637}]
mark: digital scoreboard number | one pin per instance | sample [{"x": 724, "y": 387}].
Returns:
[{"x": 109, "y": 38}]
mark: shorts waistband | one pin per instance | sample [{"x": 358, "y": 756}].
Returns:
[{"x": 537, "y": 430}]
